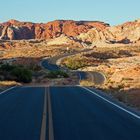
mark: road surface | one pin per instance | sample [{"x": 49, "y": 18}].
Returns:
[
  {"x": 65, "y": 113},
  {"x": 53, "y": 63},
  {"x": 21, "y": 112},
  {"x": 97, "y": 77},
  {"x": 76, "y": 114},
  {"x": 53, "y": 67},
  {"x": 80, "y": 115},
  {"x": 46, "y": 64}
]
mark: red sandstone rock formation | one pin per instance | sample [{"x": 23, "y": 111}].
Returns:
[
  {"x": 15, "y": 30},
  {"x": 90, "y": 31}
]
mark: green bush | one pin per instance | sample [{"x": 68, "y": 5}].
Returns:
[
  {"x": 22, "y": 74},
  {"x": 57, "y": 74},
  {"x": 7, "y": 67},
  {"x": 74, "y": 64},
  {"x": 16, "y": 72}
]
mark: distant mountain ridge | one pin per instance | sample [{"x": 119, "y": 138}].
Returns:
[
  {"x": 16, "y": 30},
  {"x": 85, "y": 31}
]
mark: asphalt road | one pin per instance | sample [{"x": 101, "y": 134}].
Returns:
[
  {"x": 76, "y": 114},
  {"x": 49, "y": 66},
  {"x": 21, "y": 111},
  {"x": 80, "y": 115},
  {"x": 97, "y": 77},
  {"x": 65, "y": 113},
  {"x": 82, "y": 75},
  {"x": 52, "y": 67}
]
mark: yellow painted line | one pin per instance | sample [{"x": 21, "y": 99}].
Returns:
[
  {"x": 44, "y": 119},
  {"x": 50, "y": 120}
]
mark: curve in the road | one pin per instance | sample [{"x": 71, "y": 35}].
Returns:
[
  {"x": 47, "y": 65},
  {"x": 53, "y": 63},
  {"x": 96, "y": 77}
]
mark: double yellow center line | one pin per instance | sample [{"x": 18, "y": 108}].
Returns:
[{"x": 47, "y": 112}]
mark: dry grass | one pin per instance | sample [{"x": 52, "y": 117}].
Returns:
[
  {"x": 87, "y": 83},
  {"x": 30, "y": 53},
  {"x": 8, "y": 83},
  {"x": 33, "y": 49},
  {"x": 121, "y": 66},
  {"x": 131, "y": 97}
]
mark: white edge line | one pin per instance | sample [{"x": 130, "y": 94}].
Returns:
[
  {"x": 7, "y": 89},
  {"x": 129, "y": 112}
]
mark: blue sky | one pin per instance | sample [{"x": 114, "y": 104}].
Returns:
[{"x": 110, "y": 11}]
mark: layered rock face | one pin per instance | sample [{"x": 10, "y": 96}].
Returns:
[
  {"x": 84, "y": 31},
  {"x": 126, "y": 33},
  {"x": 15, "y": 30}
]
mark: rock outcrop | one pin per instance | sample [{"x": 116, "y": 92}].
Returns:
[
  {"x": 126, "y": 33},
  {"x": 15, "y": 30},
  {"x": 92, "y": 32}
]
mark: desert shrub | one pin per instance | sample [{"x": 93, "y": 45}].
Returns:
[
  {"x": 15, "y": 72},
  {"x": 127, "y": 78},
  {"x": 22, "y": 74},
  {"x": 7, "y": 67},
  {"x": 57, "y": 74},
  {"x": 125, "y": 53},
  {"x": 74, "y": 64}
]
